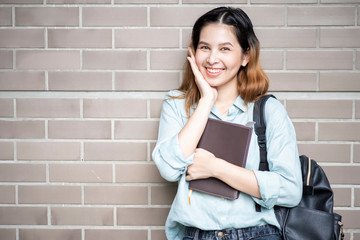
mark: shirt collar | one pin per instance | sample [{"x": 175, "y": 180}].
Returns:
[{"x": 238, "y": 103}]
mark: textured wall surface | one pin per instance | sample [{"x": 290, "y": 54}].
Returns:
[{"x": 81, "y": 87}]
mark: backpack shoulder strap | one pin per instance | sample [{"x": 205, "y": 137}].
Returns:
[{"x": 260, "y": 130}]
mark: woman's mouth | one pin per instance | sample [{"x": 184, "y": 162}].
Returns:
[{"x": 214, "y": 71}]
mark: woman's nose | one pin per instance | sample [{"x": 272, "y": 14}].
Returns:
[{"x": 213, "y": 57}]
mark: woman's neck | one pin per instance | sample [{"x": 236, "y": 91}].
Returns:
[{"x": 226, "y": 97}]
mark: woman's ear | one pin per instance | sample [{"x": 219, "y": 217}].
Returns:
[{"x": 245, "y": 58}]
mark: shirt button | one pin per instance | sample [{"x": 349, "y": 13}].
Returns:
[{"x": 220, "y": 234}]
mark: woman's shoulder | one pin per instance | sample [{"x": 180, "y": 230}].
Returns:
[
  {"x": 174, "y": 94},
  {"x": 274, "y": 110}
]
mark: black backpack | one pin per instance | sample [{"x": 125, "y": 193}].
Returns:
[{"x": 313, "y": 218}]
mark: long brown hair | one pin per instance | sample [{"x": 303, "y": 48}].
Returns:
[{"x": 252, "y": 81}]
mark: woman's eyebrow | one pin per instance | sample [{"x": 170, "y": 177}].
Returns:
[{"x": 221, "y": 44}]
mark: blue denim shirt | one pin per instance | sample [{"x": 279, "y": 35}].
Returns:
[{"x": 282, "y": 185}]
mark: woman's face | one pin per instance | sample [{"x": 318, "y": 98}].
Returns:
[{"x": 219, "y": 55}]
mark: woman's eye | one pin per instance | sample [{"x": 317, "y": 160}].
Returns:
[
  {"x": 204, "y": 47},
  {"x": 225, "y": 49}
]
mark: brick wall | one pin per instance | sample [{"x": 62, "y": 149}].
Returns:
[{"x": 81, "y": 85}]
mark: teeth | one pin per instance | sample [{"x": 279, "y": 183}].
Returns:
[{"x": 214, "y": 70}]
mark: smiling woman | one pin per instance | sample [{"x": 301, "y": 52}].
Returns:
[{"x": 222, "y": 80}]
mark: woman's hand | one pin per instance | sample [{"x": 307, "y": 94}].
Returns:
[
  {"x": 204, "y": 162},
  {"x": 206, "y": 91}
]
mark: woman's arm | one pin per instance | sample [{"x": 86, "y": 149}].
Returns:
[
  {"x": 190, "y": 135},
  {"x": 207, "y": 165}
]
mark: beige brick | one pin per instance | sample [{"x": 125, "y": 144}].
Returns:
[
  {"x": 321, "y": 15},
  {"x": 116, "y": 60},
  {"x": 5, "y": 16},
  {"x": 7, "y": 195},
  {"x": 358, "y": 59},
  {"x": 345, "y": 131},
  {"x": 168, "y": 59},
  {"x": 357, "y": 197},
  {"x": 47, "y": 16},
  {"x": 175, "y": 16},
  {"x": 161, "y": 38},
  {"x": 132, "y": 195},
  {"x": 339, "y": 81},
  {"x": 48, "y": 151},
  {"x": 350, "y": 218},
  {"x": 79, "y": 1},
  {"x": 84, "y": 216},
  {"x": 115, "y": 108},
  {"x": 305, "y": 131},
  {"x": 19, "y": 38},
  {"x": 266, "y": 15},
  {"x": 6, "y": 151},
  {"x": 292, "y": 81},
  {"x": 146, "y": 81},
  {"x": 283, "y": 1},
  {"x": 22, "y": 81},
  {"x": 114, "y": 16},
  {"x": 186, "y": 37},
  {"x": 47, "y": 59},
  {"x": 356, "y": 236},
  {"x": 155, "y": 107},
  {"x": 340, "y": 37},
  {"x": 342, "y": 197},
  {"x": 138, "y": 173},
  {"x": 330, "y": 109},
  {"x": 49, "y": 194},
  {"x": 6, "y": 108},
  {"x": 81, "y": 173},
  {"x": 319, "y": 60},
  {"x": 136, "y": 129},
  {"x": 22, "y": 1},
  {"x": 339, "y": 1},
  {"x": 115, "y": 151},
  {"x": 79, "y": 129},
  {"x": 342, "y": 174},
  {"x": 357, "y": 153},
  {"x": 213, "y": 1},
  {"x": 48, "y": 108},
  {"x": 8, "y": 234},
  {"x": 6, "y": 59},
  {"x": 286, "y": 37},
  {"x": 327, "y": 152},
  {"x": 79, "y": 38},
  {"x": 158, "y": 235},
  {"x": 22, "y": 173},
  {"x": 152, "y": 146},
  {"x": 112, "y": 234},
  {"x": 142, "y": 216},
  {"x": 23, "y": 215},
  {"x": 88, "y": 81},
  {"x": 273, "y": 60},
  {"x": 53, "y": 234},
  {"x": 22, "y": 129},
  {"x": 163, "y": 195},
  {"x": 357, "y": 109}
]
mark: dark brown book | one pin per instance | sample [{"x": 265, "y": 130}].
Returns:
[{"x": 228, "y": 141}]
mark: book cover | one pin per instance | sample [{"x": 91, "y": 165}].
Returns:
[{"x": 228, "y": 141}]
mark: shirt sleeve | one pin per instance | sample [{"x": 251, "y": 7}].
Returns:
[
  {"x": 282, "y": 185},
  {"x": 167, "y": 154}
]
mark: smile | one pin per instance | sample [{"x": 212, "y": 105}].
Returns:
[{"x": 214, "y": 71}]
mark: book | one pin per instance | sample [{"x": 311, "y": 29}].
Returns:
[{"x": 230, "y": 142}]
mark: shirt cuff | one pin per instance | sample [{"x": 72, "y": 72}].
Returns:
[
  {"x": 269, "y": 186},
  {"x": 172, "y": 153}
]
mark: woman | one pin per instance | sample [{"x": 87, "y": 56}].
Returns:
[{"x": 222, "y": 80}]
